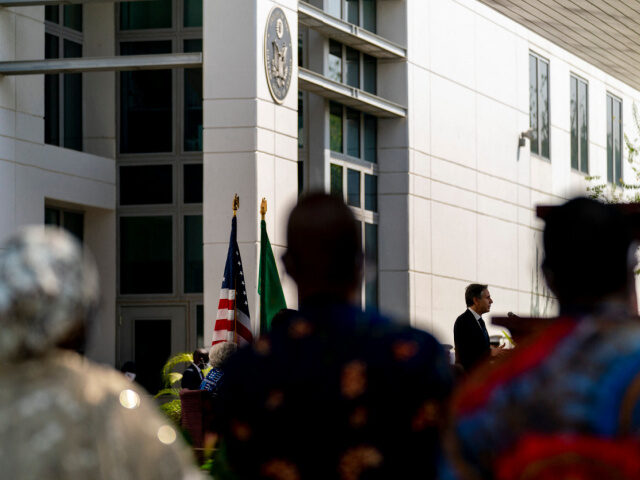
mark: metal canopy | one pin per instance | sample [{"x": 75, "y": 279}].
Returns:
[
  {"x": 352, "y": 97},
  {"x": 604, "y": 33},
  {"x": 348, "y": 34},
  {"x": 102, "y": 64}
]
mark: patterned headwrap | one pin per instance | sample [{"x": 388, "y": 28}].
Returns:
[{"x": 48, "y": 289}]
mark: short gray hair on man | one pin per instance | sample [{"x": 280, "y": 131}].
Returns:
[{"x": 220, "y": 352}]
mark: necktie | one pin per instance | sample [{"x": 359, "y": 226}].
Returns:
[{"x": 484, "y": 329}]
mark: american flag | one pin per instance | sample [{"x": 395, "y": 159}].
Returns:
[{"x": 233, "y": 323}]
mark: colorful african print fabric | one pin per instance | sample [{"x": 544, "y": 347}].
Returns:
[
  {"x": 335, "y": 393},
  {"x": 571, "y": 392}
]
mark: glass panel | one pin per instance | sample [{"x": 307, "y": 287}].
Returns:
[
  {"x": 146, "y": 185},
  {"x": 73, "y": 16},
  {"x": 369, "y": 15},
  {"x": 300, "y": 177},
  {"x": 371, "y": 193},
  {"x": 573, "y": 105},
  {"x": 193, "y": 101},
  {"x": 146, "y": 103},
  {"x": 335, "y": 61},
  {"x": 146, "y": 255},
  {"x": 609, "y": 139},
  {"x": 72, "y": 100},
  {"x": 370, "y": 138},
  {"x": 51, "y": 94},
  {"x": 52, "y": 13},
  {"x": 300, "y": 119},
  {"x": 543, "y": 83},
  {"x": 369, "y": 70},
  {"x": 617, "y": 140},
  {"x": 193, "y": 258},
  {"x": 353, "y": 188},
  {"x": 583, "y": 112},
  {"x": 192, "y": 183},
  {"x": 533, "y": 102},
  {"x": 353, "y": 15},
  {"x": 192, "y": 13},
  {"x": 51, "y": 216},
  {"x": 352, "y": 68},
  {"x": 152, "y": 347},
  {"x": 199, "y": 325},
  {"x": 335, "y": 126},
  {"x": 353, "y": 132},
  {"x": 143, "y": 15},
  {"x": 371, "y": 265},
  {"x": 336, "y": 180},
  {"x": 334, "y": 7},
  {"x": 73, "y": 222}
]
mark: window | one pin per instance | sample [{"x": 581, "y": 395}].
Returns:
[
  {"x": 348, "y": 65},
  {"x": 579, "y": 125},
  {"x": 359, "y": 189},
  {"x": 63, "y": 92},
  {"x": 352, "y": 132},
  {"x": 539, "y": 105},
  {"x": 72, "y": 222},
  {"x": 614, "y": 139},
  {"x": 160, "y": 171},
  {"x": 359, "y": 12}
]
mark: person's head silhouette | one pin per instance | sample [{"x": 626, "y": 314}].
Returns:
[
  {"x": 324, "y": 254},
  {"x": 589, "y": 255}
]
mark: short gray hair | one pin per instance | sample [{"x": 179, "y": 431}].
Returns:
[{"x": 220, "y": 352}]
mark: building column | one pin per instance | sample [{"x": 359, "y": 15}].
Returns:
[{"x": 250, "y": 143}]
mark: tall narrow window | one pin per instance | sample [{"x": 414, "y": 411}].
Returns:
[
  {"x": 369, "y": 15},
  {"x": 335, "y": 61},
  {"x": 614, "y": 139},
  {"x": 63, "y": 92},
  {"x": 579, "y": 125},
  {"x": 335, "y": 126},
  {"x": 539, "y": 105},
  {"x": 353, "y": 67},
  {"x": 193, "y": 101}
]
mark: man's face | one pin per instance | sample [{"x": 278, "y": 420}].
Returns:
[{"x": 483, "y": 303}]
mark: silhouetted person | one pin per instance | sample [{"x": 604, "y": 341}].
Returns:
[
  {"x": 332, "y": 391},
  {"x": 61, "y": 416},
  {"x": 470, "y": 332},
  {"x": 566, "y": 400},
  {"x": 192, "y": 376}
]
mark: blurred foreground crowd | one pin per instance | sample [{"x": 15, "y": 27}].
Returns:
[{"x": 333, "y": 392}]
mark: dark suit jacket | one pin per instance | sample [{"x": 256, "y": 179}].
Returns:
[
  {"x": 191, "y": 378},
  {"x": 472, "y": 346}
]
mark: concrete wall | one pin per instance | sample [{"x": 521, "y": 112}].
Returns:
[
  {"x": 473, "y": 192},
  {"x": 32, "y": 173}
]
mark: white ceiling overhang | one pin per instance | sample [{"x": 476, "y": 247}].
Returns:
[{"x": 605, "y": 33}]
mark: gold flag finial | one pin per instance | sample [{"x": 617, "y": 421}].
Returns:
[
  {"x": 236, "y": 204},
  {"x": 263, "y": 207}
]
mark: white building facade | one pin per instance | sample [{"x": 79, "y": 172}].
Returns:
[{"x": 412, "y": 110}]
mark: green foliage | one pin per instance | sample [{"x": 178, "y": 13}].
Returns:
[
  {"x": 621, "y": 192},
  {"x": 173, "y": 410},
  {"x": 169, "y": 377}
]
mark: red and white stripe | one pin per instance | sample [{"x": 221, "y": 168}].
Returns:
[{"x": 226, "y": 328}]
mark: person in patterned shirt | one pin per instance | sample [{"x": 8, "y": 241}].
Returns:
[
  {"x": 332, "y": 392},
  {"x": 566, "y": 402}
]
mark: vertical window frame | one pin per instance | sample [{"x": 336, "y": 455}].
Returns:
[
  {"x": 537, "y": 148},
  {"x": 614, "y": 175},
  {"x": 582, "y": 159}
]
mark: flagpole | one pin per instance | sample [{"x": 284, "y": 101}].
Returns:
[
  {"x": 263, "y": 208},
  {"x": 236, "y": 205}
]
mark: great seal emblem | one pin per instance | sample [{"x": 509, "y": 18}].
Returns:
[{"x": 278, "y": 55}]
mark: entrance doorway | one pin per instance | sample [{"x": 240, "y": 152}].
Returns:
[{"x": 149, "y": 336}]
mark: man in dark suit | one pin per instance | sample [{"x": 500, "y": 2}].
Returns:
[
  {"x": 332, "y": 391},
  {"x": 192, "y": 376},
  {"x": 470, "y": 333}
]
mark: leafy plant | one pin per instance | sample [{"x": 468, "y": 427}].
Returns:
[
  {"x": 621, "y": 192},
  {"x": 170, "y": 394}
]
